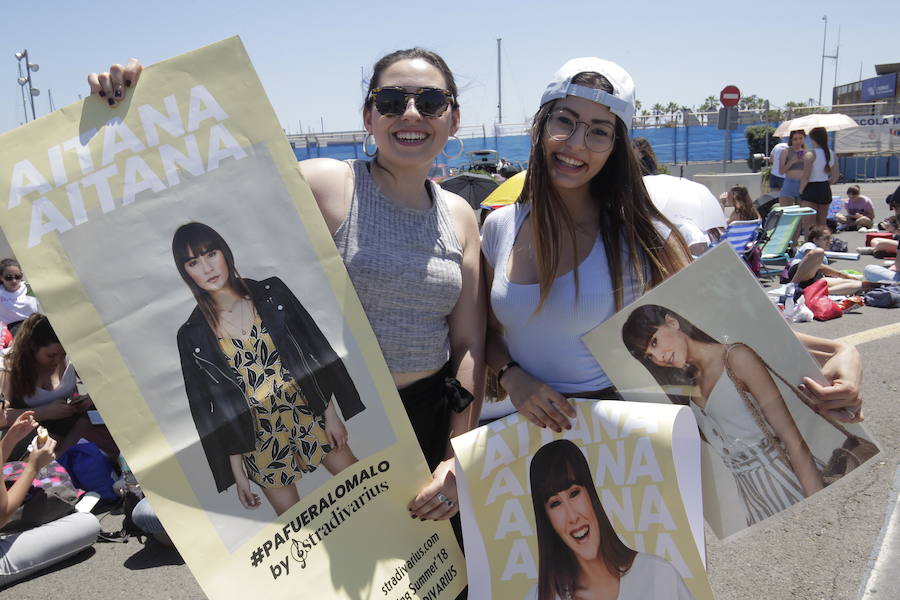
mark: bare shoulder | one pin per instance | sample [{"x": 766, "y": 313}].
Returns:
[
  {"x": 323, "y": 173},
  {"x": 331, "y": 183},
  {"x": 463, "y": 216},
  {"x": 744, "y": 360}
]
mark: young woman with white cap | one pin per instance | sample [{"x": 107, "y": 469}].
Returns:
[{"x": 583, "y": 241}]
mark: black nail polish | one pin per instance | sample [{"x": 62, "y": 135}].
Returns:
[
  {"x": 111, "y": 101},
  {"x": 127, "y": 83},
  {"x": 102, "y": 94},
  {"x": 118, "y": 93}
]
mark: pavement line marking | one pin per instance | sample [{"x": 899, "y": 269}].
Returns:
[
  {"x": 870, "y": 335},
  {"x": 882, "y": 574}
]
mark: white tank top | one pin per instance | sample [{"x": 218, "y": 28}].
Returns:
[
  {"x": 818, "y": 169},
  {"x": 548, "y": 344}
]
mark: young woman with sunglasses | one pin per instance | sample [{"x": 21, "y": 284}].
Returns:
[
  {"x": 583, "y": 241},
  {"x": 411, "y": 250},
  {"x": 16, "y": 304}
]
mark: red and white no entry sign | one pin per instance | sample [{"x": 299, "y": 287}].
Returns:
[{"x": 730, "y": 95}]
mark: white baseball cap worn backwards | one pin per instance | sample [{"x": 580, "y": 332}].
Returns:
[{"x": 620, "y": 101}]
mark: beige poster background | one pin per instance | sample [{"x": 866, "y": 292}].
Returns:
[
  {"x": 94, "y": 197},
  {"x": 720, "y": 296},
  {"x": 645, "y": 467}
]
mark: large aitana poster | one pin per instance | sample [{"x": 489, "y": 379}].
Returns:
[
  {"x": 709, "y": 338},
  {"x": 130, "y": 223}
]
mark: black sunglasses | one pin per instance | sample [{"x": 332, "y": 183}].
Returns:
[
  {"x": 391, "y": 101},
  {"x": 10, "y": 277}
]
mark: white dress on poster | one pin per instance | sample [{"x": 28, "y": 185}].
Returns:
[
  {"x": 765, "y": 484},
  {"x": 650, "y": 578}
]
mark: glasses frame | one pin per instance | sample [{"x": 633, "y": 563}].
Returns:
[
  {"x": 12, "y": 277},
  {"x": 416, "y": 94},
  {"x": 587, "y": 128}
]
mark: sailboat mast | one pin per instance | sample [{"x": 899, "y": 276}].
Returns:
[{"x": 499, "y": 86}]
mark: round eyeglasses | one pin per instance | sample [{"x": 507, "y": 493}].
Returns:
[{"x": 561, "y": 125}]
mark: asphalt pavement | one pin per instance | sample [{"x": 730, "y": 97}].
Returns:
[{"x": 839, "y": 544}]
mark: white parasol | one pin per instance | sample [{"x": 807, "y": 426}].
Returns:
[
  {"x": 830, "y": 121},
  {"x": 682, "y": 200}
]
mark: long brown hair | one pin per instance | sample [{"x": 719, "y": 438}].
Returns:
[
  {"x": 820, "y": 137},
  {"x": 626, "y": 211},
  {"x": 21, "y": 367},
  {"x": 190, "y": 241},
  {"x": 743, "y": 204},
  {"x": 556, "y": 467}
]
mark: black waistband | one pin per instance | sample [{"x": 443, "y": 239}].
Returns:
[{"x": 440, "y": 386}]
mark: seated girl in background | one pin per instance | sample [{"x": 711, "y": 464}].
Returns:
[
  {"x": 16, "y": 304},
  {"x": 810, "y": 264},
  {"x": 37, "y": 376},
  {"x": 740, "y": 199},
  {"x": 26, "y": 552}
]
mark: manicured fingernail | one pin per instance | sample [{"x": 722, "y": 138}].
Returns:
[
  {"x": 414, "y": 516},
  {"x": 102, "y": 94},
  {"x": 127, "y": 83},
  {"x": 119, "y": 93},
  {"x": 111, "y": 101},
  {"x": 422, "y": 519}
]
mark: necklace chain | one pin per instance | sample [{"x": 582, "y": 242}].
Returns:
[{"x": 242, "y": 322}]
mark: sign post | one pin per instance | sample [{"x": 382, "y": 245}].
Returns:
[{"x": 729, "y": 97}]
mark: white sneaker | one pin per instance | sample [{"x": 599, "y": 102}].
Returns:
[{"x": 865, "y": 250}]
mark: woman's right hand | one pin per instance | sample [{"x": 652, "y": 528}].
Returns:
[
  {"x": 537, "y": 401},
  {"x": 111, "y": 85},
  {"x": 43, "y": 456}
]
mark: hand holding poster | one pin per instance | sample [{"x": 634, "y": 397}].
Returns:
[
  {"x": 735, "y": 362},
  {"x": 613, "y": 505},
  {"x": 188, "y": 273}
]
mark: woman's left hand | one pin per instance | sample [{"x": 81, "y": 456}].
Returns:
[
  {"x": 337, "y": 433},
  {"x": 437, "y": 500},
  {"x": 842, "y": 398}
]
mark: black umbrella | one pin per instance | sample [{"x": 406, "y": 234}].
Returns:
[{"x": 474, "y": 187}]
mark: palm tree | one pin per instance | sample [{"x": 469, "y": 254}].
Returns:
[
  {"x": 672, "y": 110},
  {"x": 658, "y": 109}
]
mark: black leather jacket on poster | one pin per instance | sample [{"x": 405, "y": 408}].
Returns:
[{"x": 217, "y": 401}]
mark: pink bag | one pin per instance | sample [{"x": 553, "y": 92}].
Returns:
[{"x": 823, "y": 308}]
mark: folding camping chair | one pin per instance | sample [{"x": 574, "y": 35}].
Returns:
[
  {"x": 741, "y": 233},
  {"x": 778, "y": 234}
]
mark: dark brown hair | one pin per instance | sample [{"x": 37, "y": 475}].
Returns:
[
  {"x": 853, "y": 190},
  {"x": 743, "y": 204},
  {"x": 817, "y": 231},
  {"x": 190, "y": 241},
  {"x": 820, "y": 137},
  {"x": 432, "y": 58},
  {"x": 557, "y": 466},
  {"x": 646, "y": 156},
  {"x": 22, "y": 368},
  {"x": 627, "y": 214}
]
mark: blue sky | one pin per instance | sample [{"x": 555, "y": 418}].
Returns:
[{"x": 309, "y": 54}]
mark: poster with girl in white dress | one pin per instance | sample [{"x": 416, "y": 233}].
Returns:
[
  {"x": 610, "y": 508},
  {"x": 709, "y": 338}
]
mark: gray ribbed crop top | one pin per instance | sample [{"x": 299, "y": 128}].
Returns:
[{"x": 405, "y": 266}]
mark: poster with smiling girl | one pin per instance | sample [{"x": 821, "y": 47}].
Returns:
[{"x": 610, "y": 508}]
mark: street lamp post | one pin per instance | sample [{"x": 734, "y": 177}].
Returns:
[
  {"x": 26, "y": 80},
  {"x": 822, "y": 70}
]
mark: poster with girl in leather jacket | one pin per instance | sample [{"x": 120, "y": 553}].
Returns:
[{"x": 187, "y": 270}]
